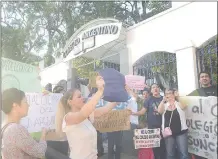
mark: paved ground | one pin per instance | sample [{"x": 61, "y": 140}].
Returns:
[
  {"x": 127, "y": 147},
  {"x": 124, "y": 156}
]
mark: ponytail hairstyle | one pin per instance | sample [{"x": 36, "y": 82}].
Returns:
[{"x": 62, "y": 110}]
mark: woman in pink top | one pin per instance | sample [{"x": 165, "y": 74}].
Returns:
[{"x": 16, "y": 141}]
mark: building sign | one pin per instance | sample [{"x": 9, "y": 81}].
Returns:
[{"x": 91, "y": 38}]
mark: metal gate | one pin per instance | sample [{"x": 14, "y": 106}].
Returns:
[
  {"x": 158, "y": 67},
  {"x": 206, "y": 57},
  {"x": 86, "y": 65}
]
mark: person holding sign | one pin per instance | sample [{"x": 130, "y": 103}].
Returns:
[
  {"x": 154, "y": 118},
  {"x": 16, "y": 141},
  {"x": 75, "y": 119},
  {"x": 206, "y": 89},
  {"x": 174, "y": 128}
]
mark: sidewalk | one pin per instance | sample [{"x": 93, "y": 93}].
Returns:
[{"x": 124, "y": 156}]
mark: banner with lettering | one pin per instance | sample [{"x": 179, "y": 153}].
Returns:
[
  {"x": 41, "y": 112},
  {"x": 20, "y": 75},
  {"x": 201, "y": 116},
  {"x": 146, "y": 138},
  {"x": 135, "y": 82},
  {"x": 116, "y": 120}
]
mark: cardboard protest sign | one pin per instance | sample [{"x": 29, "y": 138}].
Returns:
[
  {"x": 41, "y": 112},
  {"x": 20, "y": 75},
  {"x": 135, "y": 82},
  {"x": 92, "y": 79},
  {"x": 147, "y": 138},
  {"x": 116, "y": 120},
  {"x": 201, "y": 119}
]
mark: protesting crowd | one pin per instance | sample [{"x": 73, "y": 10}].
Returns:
[{"x": 76, "y": 131}]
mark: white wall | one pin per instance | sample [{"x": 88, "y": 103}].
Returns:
[
  {"x": 178, "y": 30},
  {"x": 54, "y": 73},
  {"x": 190, "y": 24}
]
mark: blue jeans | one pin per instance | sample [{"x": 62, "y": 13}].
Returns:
[{"x": 181, "y": 143}]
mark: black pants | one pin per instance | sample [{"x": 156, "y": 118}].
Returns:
[
  {"x": 114, "y": 139},
  {"x": 100, "y": 144},
  {"x": 54, "y": 154},
  {"x": 160, "y": 152},
  {"x": 57, "y": 150}
]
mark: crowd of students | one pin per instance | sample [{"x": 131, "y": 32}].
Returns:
[{"x": 75, "y": 117}]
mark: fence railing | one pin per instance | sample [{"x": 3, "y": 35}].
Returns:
[{"x": 206, "y": 57}]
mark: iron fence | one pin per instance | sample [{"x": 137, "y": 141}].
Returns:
[
  {"x": 206, "y": 57},
  {"x": 158, "y": 67}
]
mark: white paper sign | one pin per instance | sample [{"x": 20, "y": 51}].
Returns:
[
  {"x": 146, "y": 138},
  {"x": 201, "y": 116},
  {"x": 41, "y": 112},
  {"x": 135, "y": 82}
]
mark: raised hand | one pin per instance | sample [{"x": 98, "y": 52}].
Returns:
[{"x": 100, "y": 83}]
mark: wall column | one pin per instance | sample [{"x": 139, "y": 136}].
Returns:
[
  {"x": 187, "y": 70},
  {"x": 125, "y": 67}
]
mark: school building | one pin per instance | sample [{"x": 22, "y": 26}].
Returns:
[{"x": 169, "y": 48}]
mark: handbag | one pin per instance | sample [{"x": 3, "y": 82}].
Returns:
[{"x": 167, "y": 131}]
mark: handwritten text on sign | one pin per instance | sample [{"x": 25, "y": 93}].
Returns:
[
  {"x": 41, "y": 112},
  {"x": 135, "y": 82},
  {"x": 116, "y": 120},
  {"x": 147, "y": 138},
  {"x": 201, "y": 116}
]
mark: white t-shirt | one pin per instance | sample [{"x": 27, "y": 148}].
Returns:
[
  {"x": 132, "y": 104},
  {"x": 82, "y": 139}
]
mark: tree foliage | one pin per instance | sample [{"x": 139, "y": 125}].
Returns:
[{"x": 33, "y": 29}]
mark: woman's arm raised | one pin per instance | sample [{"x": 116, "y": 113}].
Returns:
[
  {"x": 77, "y": 117},
  {"x": 105, "y": 109},
  {"x": 181, "y": 101},
  {"x": 161, "y": 106}
]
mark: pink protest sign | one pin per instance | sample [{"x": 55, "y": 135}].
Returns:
[{"x": 135, "y": 82}]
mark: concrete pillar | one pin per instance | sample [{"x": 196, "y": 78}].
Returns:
[
  {"x": 187, "y": 70},
  {"x": 125, "y": 66}
]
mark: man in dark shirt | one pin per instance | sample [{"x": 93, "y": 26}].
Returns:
[
  {"x": 205, "y": 90},
  {"x": 154, "y": 119}
]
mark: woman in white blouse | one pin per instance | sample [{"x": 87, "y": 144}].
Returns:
[
  {"x": 173, "y": 116},
  {"x": 75, "y": 118}
]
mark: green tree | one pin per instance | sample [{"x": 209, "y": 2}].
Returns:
[{"x": 33, "y": 27}]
